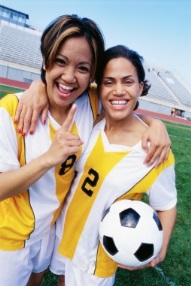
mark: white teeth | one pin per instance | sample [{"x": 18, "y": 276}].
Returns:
[
  {"x": 65, "y": 87},
  {"x": 119, "y": 102}
]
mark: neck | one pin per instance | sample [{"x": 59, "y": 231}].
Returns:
[
  {"x": 126, "y": 124},
  {"x": 124, "y": 132},
  {"x": 59, "y": 114}
]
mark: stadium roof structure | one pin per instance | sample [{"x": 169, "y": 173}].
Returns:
[
  {"x": 13, "y": 16},
  {"x": 167, "y": 88}
]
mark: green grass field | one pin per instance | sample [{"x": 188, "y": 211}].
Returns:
[
  {"x": 175, "y": 270},
  {"x": 7, "y": 89}
]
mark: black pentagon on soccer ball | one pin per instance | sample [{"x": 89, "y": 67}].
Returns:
[
  {"x": 129, "y": 218},
  {"x": 157, "y": 220},
  {"x": 109, "y": 245},
  {"x": 144, "y": 252}
]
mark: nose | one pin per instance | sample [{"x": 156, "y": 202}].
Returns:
[
  {"x": 68, "y": 74},
  {"x": 119, "y": 89}
]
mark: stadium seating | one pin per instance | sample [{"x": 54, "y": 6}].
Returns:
[
  {"x": 20, "y": 45},
  {"x": 177, "y": 88},
  {"x": 167, "y": 91},
  {"x": 158, "y": 90}
]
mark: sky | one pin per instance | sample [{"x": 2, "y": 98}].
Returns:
[{"x": 159, "y": 30}]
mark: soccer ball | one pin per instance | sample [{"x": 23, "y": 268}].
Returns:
[{"x": 131, "y": 233}]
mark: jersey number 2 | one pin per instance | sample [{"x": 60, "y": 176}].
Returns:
[{"x": 90, "y": 181}]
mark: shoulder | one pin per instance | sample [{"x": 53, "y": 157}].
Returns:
[
  {"x": 8, "y": 98},
  {"x": 10, "y": 102}
]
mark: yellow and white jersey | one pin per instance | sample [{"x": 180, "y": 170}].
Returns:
[
  {"x": 106, "y": 173},
  {"x": 25, "y": 218}
]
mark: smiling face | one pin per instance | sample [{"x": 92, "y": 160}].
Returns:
[
  {"x": 70, "y": 74},
  {"x": 119, "y": 89}
]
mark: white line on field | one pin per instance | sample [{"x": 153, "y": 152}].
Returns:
[{"x": 167, "y": 280}]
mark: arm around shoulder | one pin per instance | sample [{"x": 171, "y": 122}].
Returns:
[
  {"x": 158, "y": 139},
  {"x": 33, "y": 102}
]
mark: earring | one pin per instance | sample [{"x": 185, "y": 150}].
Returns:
[{"x": 93, "y": 84}]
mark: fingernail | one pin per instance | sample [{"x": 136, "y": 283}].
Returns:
[
  {"x": 23, "y": 134},
  {"x": 31, "y": 132},
  {"x": 19, "y": 130},
  {"x": 44, "y": 122}
]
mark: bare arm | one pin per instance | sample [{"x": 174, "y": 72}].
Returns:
[
  {"x": 22, "y": 178},
  {"x": 160, "y": 141},
  {"x": 64, "y": 144},
  {"x": 33, "y": 102},
  {"x": 167, "y": 219}
]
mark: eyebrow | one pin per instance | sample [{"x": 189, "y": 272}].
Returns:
[{"x": 110, "y": 77}]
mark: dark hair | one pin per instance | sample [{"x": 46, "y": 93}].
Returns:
[
  {"x": 131, "y": 55},
  {"x": 68, "y": 26}
]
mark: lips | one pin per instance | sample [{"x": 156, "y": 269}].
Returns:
[{"x": 64, "y": 90}]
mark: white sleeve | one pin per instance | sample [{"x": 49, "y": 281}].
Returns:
[
  {"x": 8, "y": 143},
  {"x": 163, "y": 194}
]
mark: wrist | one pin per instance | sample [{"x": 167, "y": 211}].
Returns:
[{"x": 38, "y": 85}]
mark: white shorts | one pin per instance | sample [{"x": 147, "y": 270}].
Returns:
[
  {"x": 17, "y": 266},
  {"x": 57, "y": 265},
  {"x": 73, "y": 275}
]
